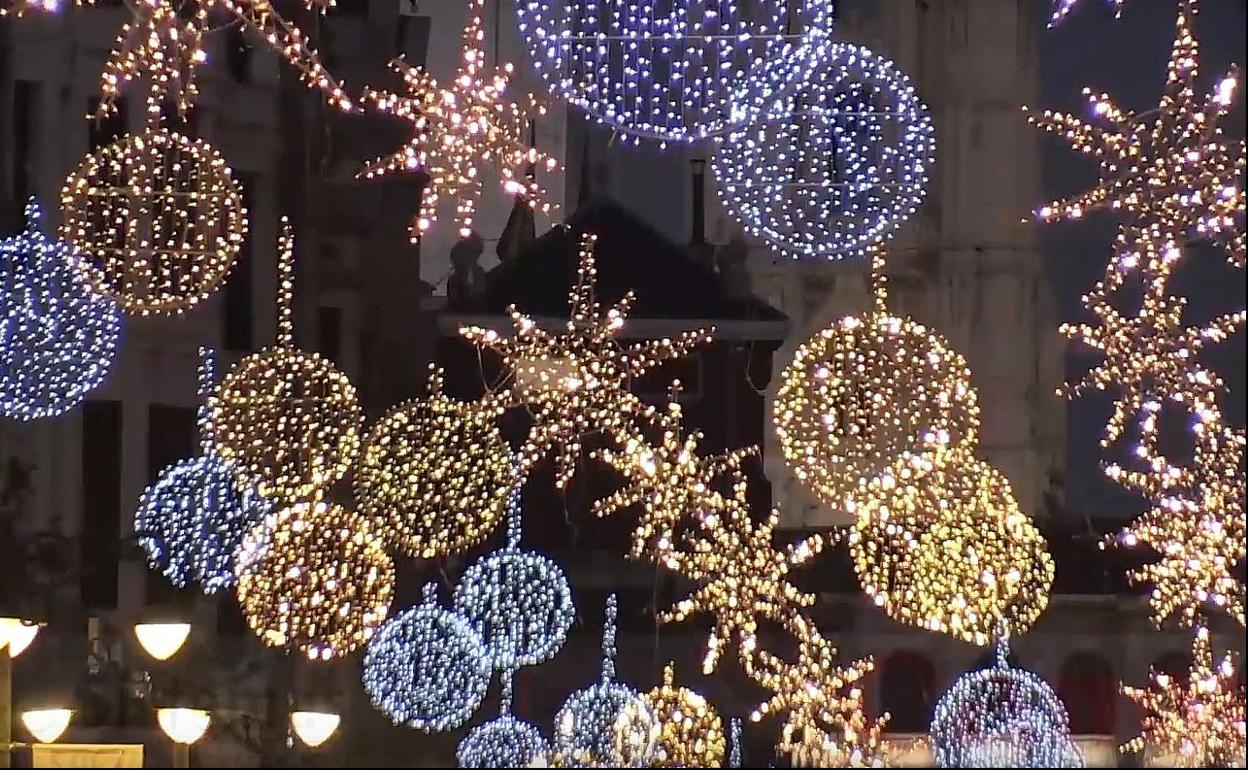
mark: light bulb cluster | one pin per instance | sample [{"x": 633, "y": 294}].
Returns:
[
  {"x": 504, "y": 741},
  {"x": 580, "y": 376},
  {"x": 1062, "y": 8},
  {"x": 939, "y": 543},
  {"x": 316, "y": 578},
  {"x": 1195, "y": 720},
  {"x": 518, "y": 602},
  {"x": 691, "y": 731},
  {"x": 58, "y": 339},
  {"x": 825, "y": 724},
  {"x": 1173, "y": 179},
  {"x": 435, "y": 474},
  {"x": 158, "y": 219},
  {"x": 837, "y": 157},
  {"x": 461, "y": 129},
  {"x": 287, "y": 422},
  {"x": 425, "y": 668},
  {"x": 666, "y": 72},
  {"x": 1001, "y": 716}
]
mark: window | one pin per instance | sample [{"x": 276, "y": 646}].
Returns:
[
  {"x": 238, "y": 55},
  {"x": 108, "y": 129},
  {"x": 411, "y": 39},
  {"x": 907, "y": 691},
  {"x": 329, "y": 332},
  {"x": 26, "y": 98},
  {"x": 351, "y": 8},
  {"x": 1087, "y": 688},
  {"x": 238, "y": 313},
  {"x": 171, "y": 436},
  {"x": 101, "y": 502}
]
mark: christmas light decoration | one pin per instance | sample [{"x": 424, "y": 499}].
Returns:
[
  {"x": 1193, "y": 722},
  {"x": 1062, "y": 8},
  {"x": 435, "y": 474},
  {"x": 286, "y": 421},
  {"x": 192, "y": 519},
  {"x": 504, "y": 741},
  {"x": 517, "y": 601},
  {"x": 459, "y": 130},
  {"x": 692, "y": 734},
  {"x": 734, "y": 740},
  {"x": 665, "y": 72},
  {"x": 940, "y": 543},
  {"x": 837, "y": 159},
  {"x": 608, "y": 724},
  {"x": 1002, "y": 716},
  {"x": 1171, "y": 171},
  {"x": 58, "y": 340},
  {"x": 424, "y": 668},
  {"x": 582, "y": 373},
  {"x": 314, "y": 577},
  {"x": 668, "y": 480},
  {"x": 824, "y": 724},
  {"x": 741, "y": 576},
  {"x": 16, "y": 8},
  {"x": 861, "y": 392},
  {"x": 164, "y": 46},
  {"x": 158, "y": 219}
]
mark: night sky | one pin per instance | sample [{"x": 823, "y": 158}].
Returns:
[{"x": 1127, "y": 58}]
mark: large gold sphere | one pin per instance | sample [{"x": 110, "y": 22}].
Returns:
[
  {"x": 861, "y": 392},
  {"x": 287, "y": 422},
  {"x": 940, "y": 543},
  {"x": 159, "y": 219},
  {"x": 691, "y": 732},
  {"x": 316, "y": 578},
  {"x": 435, "y": 475}
]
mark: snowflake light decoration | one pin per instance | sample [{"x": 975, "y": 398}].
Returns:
[
  {"x": 58, "y": 339},
  {"x": 692, "y": 733},
  {"x": 459, "y": 130},
  {"x": 504, "y": 741},
  {"x": 581, "y": 374},
  {"x": 424, "y": 668}
]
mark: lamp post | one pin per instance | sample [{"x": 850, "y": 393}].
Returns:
[
  {"x": 184, "y": 727},
  {"x": 16, "y": 634}
]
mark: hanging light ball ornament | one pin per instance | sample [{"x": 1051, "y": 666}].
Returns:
[
  {"x": 837, "y": 157},
  {"x": 58, "y": 339},
  {"x": 861, "y": 392},
  {"x": 691, "y": 732},
  {"x": 159, "y": 218},
  {"x": 518, "y": 602},
  {"x": 435, "y": 474},
  {"x": 424, "y": 668},
  {"x": 314, "y": 577},
  {"x": 939, "y": 543},
  {"x": 504, "y": 741},
  {"x": 1002, "y": 717},
  {"x": 666, "y": 73}
]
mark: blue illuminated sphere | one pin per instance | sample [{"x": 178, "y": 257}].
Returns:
[
  {"x": 192, "y": 520},
  {"x": 58, "y": 339},
  {"x": 503, "y": 742}
]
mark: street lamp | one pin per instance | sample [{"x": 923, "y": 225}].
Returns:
[
  {"x": 17, "y": 634},
  {"x": 162, "y": 640},
  {"x": 184, "y": 727},
  {"x": 314, "y": 727},
  {"x": 46, "y": 725}
]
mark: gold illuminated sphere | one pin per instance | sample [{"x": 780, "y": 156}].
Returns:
[
  {"x": 939, "y": 542},
  {"x": 691, "y": 732},
  {"x": 435, "y": 474},
  {"x": 314, "y": 577},
  {"x": 159, "y": 219}
]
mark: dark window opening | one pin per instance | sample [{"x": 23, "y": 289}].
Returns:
[
  {"x": 238, "y": 311},
  {"x": 101, "y": 502},
  {"x": 108, "y": 129}
]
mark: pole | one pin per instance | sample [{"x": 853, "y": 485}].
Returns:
[
  {"x": 6, "y": 706},
  {"x": 181, "y": 755}
]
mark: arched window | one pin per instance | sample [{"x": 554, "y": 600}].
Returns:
[
  {"x": 1087, "y": 687},
  {"x": 908, "y": 691}
]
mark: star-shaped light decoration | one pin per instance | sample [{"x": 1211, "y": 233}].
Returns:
[
  {"x": 164, "y": 45},
  {"x": 576, "y": 380},
  {"x": 1148, "y": 354},
  {"x": 1062, "y": 9},
  {"x": 460, "y": 129},
  {"x": 669, "y": 480},
  {"x": 742, "y": 577},
  {"x": 1194, "y": 723},
  {"x": 1172, "y": 169},
  {"x": 825, "y": 724}
]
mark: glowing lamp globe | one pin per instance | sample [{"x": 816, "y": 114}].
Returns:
[
  {"x": 314, "y": 727},
  {"x": 162, "y": 640},
  {"x": 46, "y": 725},
  {"x": 184, "y": 726},
  {"x": 18, "y": 634}
]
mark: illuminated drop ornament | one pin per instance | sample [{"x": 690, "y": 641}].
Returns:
[
  {"x": 192, "y": 519},
  {"x": 691, "y": 733},
  {"x": 838, "y": 157},
  {"x": 159, "y": 219},
  {"x": 517, "y": 601},
  {"x": 286, "y": 421},
  {"x": 314, "y": 577},
  {"x": 504, "y": 741},
  {"x": 435, "y": 474},
  {"x": 58, "y": 339},
  {"x": 1002, "y": 717},
  {"x": 666, "y": 72},
  {"x": 459, "y": 130},
  {"x": 608, "y": 724},
  {"x": 424, "y": 668}
]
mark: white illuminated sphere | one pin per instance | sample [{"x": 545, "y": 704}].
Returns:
[
  {"x": 606, "y": 725},
  {"x": 503, "y": 742},
  {"x": 837, "y": 158}
]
